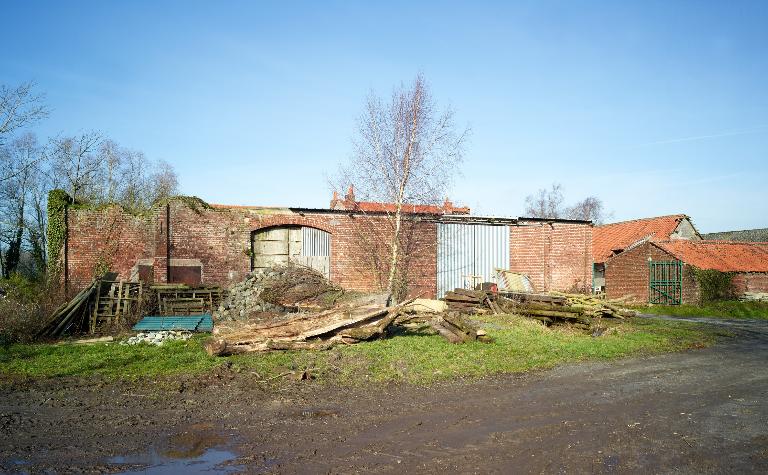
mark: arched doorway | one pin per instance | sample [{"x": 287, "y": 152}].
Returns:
[{"x": 302, "y": 245}]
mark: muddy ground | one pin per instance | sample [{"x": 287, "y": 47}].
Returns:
[{"x": 701, "y": 411}]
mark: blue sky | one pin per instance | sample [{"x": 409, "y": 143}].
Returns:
[{"x": 655, "y": 107}]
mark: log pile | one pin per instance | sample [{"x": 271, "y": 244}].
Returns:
[
  {"x": 578, "y": 310},
  {"x": 312, "y": 330},
  {"x": 471, "y": 301},
  {"x": 341, "y": 325}
]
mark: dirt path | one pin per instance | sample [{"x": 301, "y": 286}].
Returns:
[{"x": 693, "y": 412}]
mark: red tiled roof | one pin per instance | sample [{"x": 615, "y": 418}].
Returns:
[
  {"x": 725, "y": 256},
  {"x": 619, "y": 236}
]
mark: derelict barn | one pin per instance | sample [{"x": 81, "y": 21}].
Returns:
[
  {"x": 189, "y": 241},
  {"x": 664, "y": 272}
]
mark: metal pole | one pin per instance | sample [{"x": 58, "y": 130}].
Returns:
[
  {"x": 167, "y": 243},
  {"x": 66, "y": 250}
]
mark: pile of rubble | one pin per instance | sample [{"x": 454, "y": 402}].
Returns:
[
  {"x": 277, "y": 290},
  {"x": 157, "y": 338}
]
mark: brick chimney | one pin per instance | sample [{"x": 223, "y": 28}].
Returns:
[{"x": 447, "y": 207}]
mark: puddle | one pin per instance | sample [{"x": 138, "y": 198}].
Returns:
[
  {"x": 210, "y": 461},
  {"x": 200, "y": 449}
]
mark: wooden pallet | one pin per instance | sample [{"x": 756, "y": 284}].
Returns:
[
  {"x": 114, "y": 301},
  {"x": 177, "y": 299}
]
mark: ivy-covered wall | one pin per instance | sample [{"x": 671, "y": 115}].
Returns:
[
  {"x": 713, "y": 284},
  {"x": 56, "y": 233}
]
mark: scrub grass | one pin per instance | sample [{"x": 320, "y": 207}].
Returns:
[
  {"x": 721, "y": 309},
  {"x": 413, "y": 356}
]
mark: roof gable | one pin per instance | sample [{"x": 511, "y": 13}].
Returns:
[{"x": 609, "y": 239}]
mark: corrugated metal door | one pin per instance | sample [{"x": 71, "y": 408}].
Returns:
[
  {"x": 316, "y": 250},
  {"x": 468, "y": 254}
]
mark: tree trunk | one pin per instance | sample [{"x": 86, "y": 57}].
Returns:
[{"x": 395, "y": 252}]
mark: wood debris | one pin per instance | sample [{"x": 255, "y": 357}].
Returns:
[
  {"x": 320, "y": 330},
  {"x": 578, "y": 310},
  {"x": 70, "y": 314}
]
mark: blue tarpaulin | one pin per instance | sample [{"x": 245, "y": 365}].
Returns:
[{"x": 194, "y": 323}]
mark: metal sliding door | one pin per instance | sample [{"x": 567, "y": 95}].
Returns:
[{"x": 468, "y": 254}]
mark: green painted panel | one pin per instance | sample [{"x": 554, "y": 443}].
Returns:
[
  {"x": 665, "y": 281},
  {"x": 200, "y": 323}
]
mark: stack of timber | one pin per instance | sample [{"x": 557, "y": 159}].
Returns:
[
  {"x": 575, "y": 309},
  {"x": 579, "y": 310},
  {"x": 70, "y": 315},
  {"x": 471, "y": 301},
  {"x": 313, "y": 331}
]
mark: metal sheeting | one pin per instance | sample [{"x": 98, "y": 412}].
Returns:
[
  {"x": 468, "y": 254},
  {"x": 315, "y": 242},
  {"x": 315, "y": 250},
  {"x": 198, "y": 323}
]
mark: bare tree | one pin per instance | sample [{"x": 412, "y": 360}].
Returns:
[
  {"x": 19, "y": 107},
  {"x": 76, "y": 164},
  {"x": 90, "y": 168},
  {"x": 548, "y": 204},
  {"x": 406, "y": 152},
  {"x": 20, "y": 165},
  {"x": 589, "y": 209},
  {"x": 164, "y": 181},
  {"x": 127, "y": 177},
  {"x": 545, "y": 203}
]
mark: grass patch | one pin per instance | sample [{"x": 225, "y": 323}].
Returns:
[
  {"x": 520, "y": 345},
  {"x": 721, "y": 309}
]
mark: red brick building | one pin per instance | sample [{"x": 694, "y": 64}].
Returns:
[
  {"x": 614, "y": 238},
  {"x": 190, "y": 241},
  {"x": 628, "y": 273}
]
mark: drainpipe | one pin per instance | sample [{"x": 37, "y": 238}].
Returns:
[
  {"x": 167, "y": 243},
  {"x": 66, "y": 250}
]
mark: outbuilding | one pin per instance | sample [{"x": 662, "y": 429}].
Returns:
[
  {"x": 683, "y": 271},
  {"x": 185, "y": 240},
  {"x": 612, "y": 239}
]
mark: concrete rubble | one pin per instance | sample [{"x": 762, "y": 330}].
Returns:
[
  {"x": 280, "y": 289},
  {"x": 157, "y": 338}
]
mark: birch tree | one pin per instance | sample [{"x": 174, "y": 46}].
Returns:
[{"x": 406, "y": 151}]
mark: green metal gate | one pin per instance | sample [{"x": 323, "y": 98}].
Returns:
[{"x": 665, "y": 282}]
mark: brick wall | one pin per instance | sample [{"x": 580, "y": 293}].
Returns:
[
  {"x": 750, "y": 282},
  {"x": 626, "y": 275},
  {"x": 107, "y": 237},
  {"x": 556, "y": 256},
  {"x": 219, "y": 239}
]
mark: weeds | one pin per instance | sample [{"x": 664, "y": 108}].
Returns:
[{"x": 24, "y": 306}]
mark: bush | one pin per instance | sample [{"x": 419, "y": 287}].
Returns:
[
  {"x": 714, "y": 285},
  {"x": 24, "y": 307}
]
